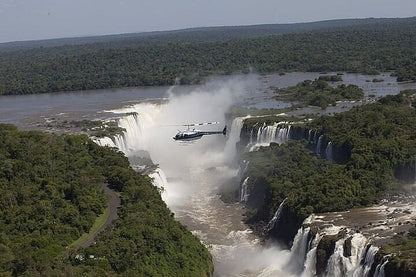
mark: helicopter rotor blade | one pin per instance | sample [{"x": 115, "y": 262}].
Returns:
[{"x": 200, "y": 124}]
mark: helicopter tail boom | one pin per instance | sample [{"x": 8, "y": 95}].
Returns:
[{"x": 224, "y": 132}]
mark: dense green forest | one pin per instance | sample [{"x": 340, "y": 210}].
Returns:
[
  {"x": 366, "y": 48},
  {"x": 318, "y": 93},
  {"x": 205, "y": 34},
  {"x": 50, "y": 194},
  {"x": 373, "y": 146}
]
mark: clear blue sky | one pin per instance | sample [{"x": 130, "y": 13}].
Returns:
[{"x": 40, "y": 19}]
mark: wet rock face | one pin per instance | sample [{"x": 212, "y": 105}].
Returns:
[
  {"x": 397, "y": 268},
  {"x": 324, "y": 251},
  {"x": 347, "y": 247},
  {"x": 258, "y": 197},
  {"x": 406, "y": 173},
  {"x": 287, "y": 226},
  {"x": 260, "y": 203}
]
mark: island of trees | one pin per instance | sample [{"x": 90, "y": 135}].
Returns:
[
  {"x": 50, "y": 195},
  {"x": 318, "y": 93}
]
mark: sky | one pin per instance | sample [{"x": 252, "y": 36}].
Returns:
[{"x": 44, "y": 19}]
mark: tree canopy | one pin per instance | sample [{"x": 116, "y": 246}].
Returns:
[{"x": 50, "y": 194}]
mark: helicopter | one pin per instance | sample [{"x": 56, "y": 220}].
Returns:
[{"x": 192, "y": 134}]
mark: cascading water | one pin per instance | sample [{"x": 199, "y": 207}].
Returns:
[
  {"x": 244, "y": 191},
  {"x": 309, "y": 136},
  {"x": 266, "y": 134},
  {"x": 234, "y": 137},
  {"x": 319, "y": 145},
  {"x": 299, "y": 250},
  {"x": 341, "y": 265},
  {"x": 357, "y": 260},
  {"x": 275, "y": 218},
  {"x": 379, "y": 272},
  {"x": 243, "y": 168},
  {"x": 366, "y": 261},
  {"x": 105, "y": 141},
  {"x": 193, "y": 174},
  {"x": 159, "y": 178},
  {"x": 309, "y": 268},
  {"x": 328, "y": 151}
]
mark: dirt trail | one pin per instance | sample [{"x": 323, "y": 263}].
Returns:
[{"x": 114, "y": 202}]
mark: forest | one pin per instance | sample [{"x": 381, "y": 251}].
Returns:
[
  {"x": 50, "y": 194},
  {"x": 318, "y": 93},
  {"x": 366, "y": 48},
  {"x": 375, "y": 144}
]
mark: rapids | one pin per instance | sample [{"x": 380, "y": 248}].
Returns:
[{"x": 190, "y": 174}]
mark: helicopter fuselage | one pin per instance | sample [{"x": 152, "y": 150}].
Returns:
[{"x": 195, "y": 134}]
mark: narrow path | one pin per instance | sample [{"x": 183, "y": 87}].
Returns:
[{"x": 114, "y": 202}]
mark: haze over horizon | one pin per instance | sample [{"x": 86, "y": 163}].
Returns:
[{"x": 47, "y": 19}]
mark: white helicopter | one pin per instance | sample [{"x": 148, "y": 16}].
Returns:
[{"x": 192, "y": 134}]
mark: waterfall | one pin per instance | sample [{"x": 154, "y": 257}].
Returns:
[
  {"x": 159, "y": 178},
  {"x": 309, "y": 268},
  {"x": 379, "y": 272},
  {"x": 134, "y": 135},
  {"x": 315, "y": 137},
  {"x": 354, "y": 261},
  {"x": 244, "y": 191},
  {"x": 251, "y": 136},
  {"x": 235, "y": 132},
  {"x": 243, "y": 168},
  {"x": 319, "y": 145},
  {"x": 341, "y": 265},
  {"x": 309, "y": 136},
  {"x": 275, "y": 218},
  {"x": 132, "y": 139},
  {"x": 104, "y": 141},
  {"x": 266, "y": 134},
  {"x": 328, "y": 151},
  {"x": 299, "y": 250},
  {"x": 335, "y": 265},
  {"x": 367, "y": 261}
]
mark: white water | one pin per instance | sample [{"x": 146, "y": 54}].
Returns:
[
  {"x": 159, "y": 180},
  {"x": 299, "y": 250},
  {"x": 368, "y": 258},
  {"x": 230, "y": 149},
  {"x": 319, "y": 145},
  {"x": 279, "y": 133},
  {"x": 379, "y": 272},
  {"x": 244, "y": 191},
  {"x": 328, "y": 151},
  {"x": 190, "y": 175},
  {"x": 309, "y": 136},
  {"x": 275, "y": 218}
]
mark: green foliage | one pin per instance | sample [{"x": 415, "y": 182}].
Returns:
[
  {"x": 402, "y": 251},
  {"x": 331, "y": 78},
  {"x": 365, "y": 49},
  {"x": 377, "y": 139},
  {"x": 379, "y": 136},
  {"x": 311, "y": 184},
  {"x": 254, "y": 123},
  {"x": 50, "y": 194},
  {"x": 95, "y": 128},
  {"x": 319, "y": 93}
]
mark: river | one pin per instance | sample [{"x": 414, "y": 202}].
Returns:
[{"x": 189, "y": 172}]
